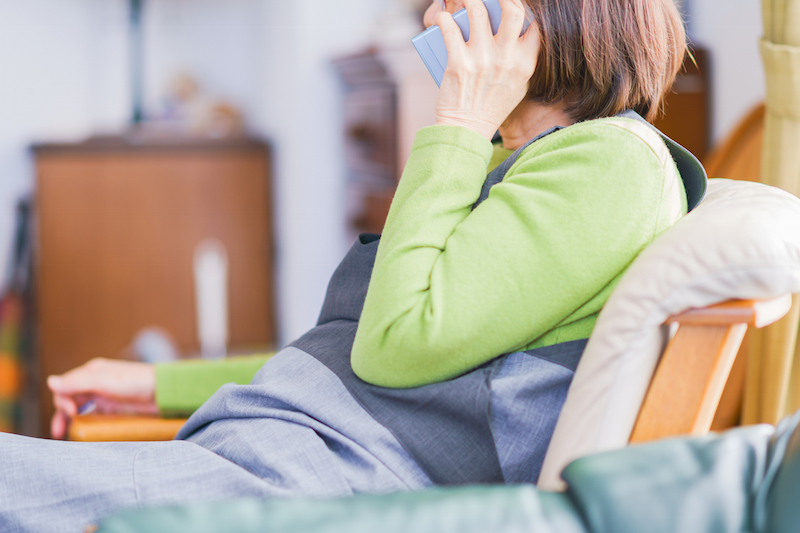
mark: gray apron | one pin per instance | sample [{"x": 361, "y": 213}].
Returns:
[{"x": 446, "y": 427}]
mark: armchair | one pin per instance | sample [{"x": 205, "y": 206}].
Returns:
[
  {"x": 703, "y": 348},
  {"x": 742, "y": 242},
  {"x": 745, "y": 480}
]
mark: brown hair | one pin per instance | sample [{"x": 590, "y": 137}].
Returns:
[{"x": 604, "y": 56}]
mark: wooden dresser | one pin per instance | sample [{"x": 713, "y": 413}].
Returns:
[{"x": 117, "y": 221}]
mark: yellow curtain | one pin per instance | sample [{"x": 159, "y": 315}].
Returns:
[{"x": 772, "y": 388}]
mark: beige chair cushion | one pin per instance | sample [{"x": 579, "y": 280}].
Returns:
[{"x": 743, "y": 241}]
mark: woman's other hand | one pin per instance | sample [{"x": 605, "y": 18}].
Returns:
[
  {"x": 487, "y": 77},
  {"x": 114, "y": 386}
]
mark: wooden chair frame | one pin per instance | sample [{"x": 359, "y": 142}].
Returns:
[
  {"x": 682, "y": 399},
  {"x": 692, "y": 374},
  {"x": 107, "y": 428}
]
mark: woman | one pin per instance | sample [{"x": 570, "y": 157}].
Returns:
[{"x": 477, "y": 299}]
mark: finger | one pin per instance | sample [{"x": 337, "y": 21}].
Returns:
[
  {"x": 451, "y": 33},
  {"x": 77, "y": 380},
  {"x": 110, "y": 406},
  {"x": 58, "y": 425},
  {"x": 126, "y": 408},
  {"x": 65, "y": 404},
  {"x": 480, "y": 28},
  {"x": 511, "y": 22},
  {"x": 87, "y": 378},
  {"x": 55, "y": 383}
]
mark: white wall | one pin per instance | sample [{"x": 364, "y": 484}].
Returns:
[
  {"x": 60, "y": 77},
  {"x": 730, "y": 30},
  {"x": 300, "y": 110}
]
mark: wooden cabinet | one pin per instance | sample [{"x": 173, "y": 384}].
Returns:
[
  {"x": 370, "y": 139},
  {"x": 686, "y": 107},
  {"x": 389, "y": 95},
  {"x": 116, "y": 228}
]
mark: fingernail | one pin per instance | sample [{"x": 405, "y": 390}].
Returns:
[{"x": 87, "y": 408}]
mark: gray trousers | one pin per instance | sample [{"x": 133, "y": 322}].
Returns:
[
  {"x": 243, "y": 442},
  {"x": 64, "y": 486},
  {"x": 295, "y": 431}
]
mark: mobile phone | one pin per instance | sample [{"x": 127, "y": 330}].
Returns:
[{"x": 430, "y": 43}]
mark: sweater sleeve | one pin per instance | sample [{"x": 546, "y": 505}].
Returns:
[
  {"x": 453, "y": 288},
  {"x": 183, "y": 386}
]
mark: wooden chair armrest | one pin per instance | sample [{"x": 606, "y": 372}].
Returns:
[
  {"x": 756, "y": 313},
  {"x": 104, "y": 428},
  {"x": 682, "y": 398},
  {"x": 687, "y": 385}
]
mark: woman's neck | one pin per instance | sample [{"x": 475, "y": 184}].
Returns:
[{"x": 530, "y": 119}]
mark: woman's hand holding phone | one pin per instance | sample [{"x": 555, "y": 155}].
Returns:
[{"x": 487, "y": 77}]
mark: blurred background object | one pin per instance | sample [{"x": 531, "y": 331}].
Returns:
[
  {"x": 17, "y": 367},
  {"x": 194, "y": 113},
  {"x": 211, "y": 297},
  {"x": 153, "y": 345},
  {"x": 216, "y": 78}
]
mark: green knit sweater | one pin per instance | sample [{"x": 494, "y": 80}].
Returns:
[{"x": 532, "y": 266}]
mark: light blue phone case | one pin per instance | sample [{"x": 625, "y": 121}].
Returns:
[{"x": 430, "y": 43}]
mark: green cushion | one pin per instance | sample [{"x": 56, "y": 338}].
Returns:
[
  {"x": 783, "y": 508},
  {"x": 700, "y": 485},
  {"x": 745, "y": 480},
  {"x": 463, "y": 510}
]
